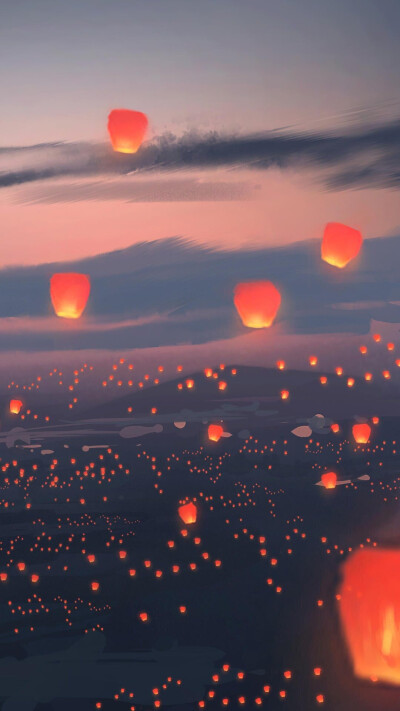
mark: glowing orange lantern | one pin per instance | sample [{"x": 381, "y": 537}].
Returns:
[
  {"x": 215, "y": 432},
  {"x": 335, "y": 427},
  {"x": 257, "y": 303},
  {"x": 280, "y": 364},
  {"x": 313, "y": 360},
  {"x": 188, "y": 513},
  {"x": 69, "y": 294},
  {"x": 15, "y": 406},
  {"x": 127, "y": 130},
  {"x": 329, "y": 480},
  {"x": 370, "y": 613},
  {"x": 361, "y": 433},
  {"x": 340, "y": 244},
  {"x": 284, "y": 394}
]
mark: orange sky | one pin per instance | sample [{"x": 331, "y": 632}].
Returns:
[{"x": 282, "y": 207}]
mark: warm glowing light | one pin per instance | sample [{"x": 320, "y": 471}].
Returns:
[
  {"x": 329, "y": 480},
  {"x": 340, "y": 244},
  {"x": 370, "y": 613},
  {"x": 215, "y": 432},
  {"x": 313, "y": 360},
  {"x": 335, "y": 427},
  {"x": 127, "y": 130},
  {"x": 69, "y": 293},
  {"x": 284, "y": 394},
  {"x": 257, "y": 303},
  {"x": 280, "y": 364},
  {"x": 15, "y": 406},
  {"x": 361, "y": 433},
  {"x": 188, "y": 513}
]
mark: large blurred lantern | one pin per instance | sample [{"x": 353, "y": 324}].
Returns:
[
  {"x": 340, "y": 244},
  {"x": 127, "y": 130},
  {"x": 257, "y": 303},
  {"x": 69, "y": 294},
  {"x": 15, "y": 406},
  {"x": 369, "y": 607},
  {"x": 215, "y": 432},
  {"x": 188, "y": 513},
  {"x": 361, "y": 433},
  {"x": 329, "y": 480}
]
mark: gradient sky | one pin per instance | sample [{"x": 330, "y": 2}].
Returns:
[{"x": 225, "y": 65}]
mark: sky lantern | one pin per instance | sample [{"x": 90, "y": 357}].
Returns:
[
  {"x": 127, "y": 130},
  {"x": 329, "y": 480},
  {"x": 361, "y": 433},
  {"x": 340, "y": 244},
  {"x": 69, "y": 293},
  {"x": 257, "y": 303},
  {"x": 15, "y": 406},
  {"x": 280, "y": 364},
  {"x": 188, "y": 512},
  {"x": 369, "y": 609},
  {"x": 215, "y": 432}
]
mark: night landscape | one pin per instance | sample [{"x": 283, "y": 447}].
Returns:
[{"x": 200, "y": 355}]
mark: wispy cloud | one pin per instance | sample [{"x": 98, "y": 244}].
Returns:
[
  {"x": 360, "y": 157},
  {"x": 134, "y": 189}
]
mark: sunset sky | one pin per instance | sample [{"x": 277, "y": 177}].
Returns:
[{"x": 237, "y": 68}]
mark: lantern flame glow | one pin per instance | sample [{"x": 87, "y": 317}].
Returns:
[
  {"x": 257, "y": 303},
  {"x": 69, "y": 293},
  {"x": 370, "y": 613},
  {"x": 340, "y": 244},
  {"x": 127, "y": 130}
]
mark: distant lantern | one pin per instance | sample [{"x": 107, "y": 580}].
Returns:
[
  {"x": 361, "y": 433},
  {"x": 257, "y": 303},
  {"x": 127, "y": 130},
  {"x": 69, "y": 293},
  {"x": 329, "y": 480},
  {"x": 340, "y": 244},
  {"x": 188, "y": 513},
  {"x": 15, "y": 406},
  {"x": 369, "y": 609},
  {"x": 215, "y": 432}
]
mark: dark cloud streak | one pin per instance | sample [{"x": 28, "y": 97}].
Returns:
[{"x": 375, "y": 149}]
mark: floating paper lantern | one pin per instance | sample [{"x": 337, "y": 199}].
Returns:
[
  {"x": 127, "y": 130},
  {"x": 215, "y": 432},
  {"x": 340, "y": 244},
  {"x": 15, "y": 406},
  {"x": 361, "y": 433},
  {"x": 69, "y": 293},
  {"x": 329, "y": 480},
  {"x": 369, "y": 609},
  {"x": 257, "y": 303},
  {"x": 188, "y": 513}
]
